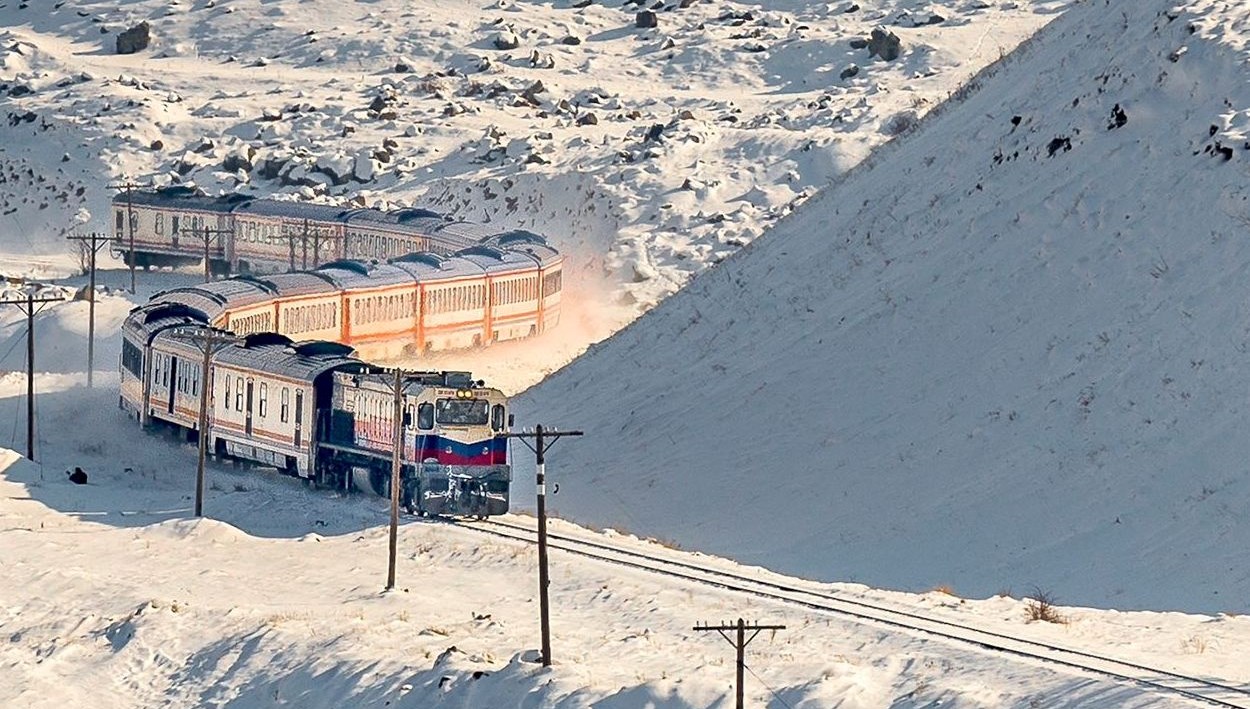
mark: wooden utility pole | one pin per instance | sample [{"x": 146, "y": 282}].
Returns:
[
  {"x": 304, "y": 237},
  {"x": 543, "y": 440},
  {"x": 740, "y": 642},
  {"x": 95, "y": 242},
  {"x": 210, "y": 341},
  {"x": 208, "y": 235},
  {"x": 30, "y": 306},
  {"x": 397, "y": 450},
  {"x": 129, "y": 186}
]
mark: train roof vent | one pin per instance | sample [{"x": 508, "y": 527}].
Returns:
[
  {"x": 480, "y": 250},
  {"x": 179, "y": 191},
  {"x": 260, "y": 339},
  {"x": 267, "y": 286},
  {"x": 458, "y": 379},
  {"x": 348, "y": 265},
  {"x": 172, "y": 310},
  {"x": 425, "y": 257},
  {"x": 312, "y": 348},
  {"x": 236, "y": 198},
  {"x": 406, "y": 215},
  {"x": 519, "y": 236}
]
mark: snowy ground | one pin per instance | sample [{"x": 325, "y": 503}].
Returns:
[
  {"x": 986, "y": 359},
  {"x": 1009, "y": 350},
  {"x": 114, "y": 597}
]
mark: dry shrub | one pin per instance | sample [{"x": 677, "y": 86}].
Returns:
[{"x": 1040, "y": 605}]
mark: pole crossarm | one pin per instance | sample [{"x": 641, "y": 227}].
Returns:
[
  {"x": 30, "y": 306},
  {"x": 208, "y": 235},
  {"x": 94, "y": 241},
  {"x": 740, "y": 642},
  {"x": 209, "y": 341},
  {"x": 129, "y": 187}
]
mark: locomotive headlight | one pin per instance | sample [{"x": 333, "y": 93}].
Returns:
[{"x": 464, "y": 394}]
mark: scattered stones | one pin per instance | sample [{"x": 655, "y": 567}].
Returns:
[
  {"x": 646, "y": 20},
  {"x": 20, "y": 90},
  {"x": 1060, "y": 143},
  {"x": 571, "y": 41},
  {"x": 402, "y": 67},
  {"x": 588, "y": 119},
  {"x": 157, "y": 145},
  {"x": 849, "y": 71},
  {"x": 506, "y": 40},
  {"x": 270, "y": 114},
  {"x": 885, "y": 44},
  {"x": 1118, "y": 118},
  {"x": 135, "y": 39},
  {"x": 859, "y": 43}
]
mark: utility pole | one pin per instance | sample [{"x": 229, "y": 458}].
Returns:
[
  {"x": 740, "y": 642},
  {"x": 397, "y": 449},
  {"x": 543, "y": 440},
  {"x": 304, "y": 237},
  {"x": 95, "y": 242},
  {"x": 210, "y": 341},
  {"x": 30, "y": 306},
  {"x": 208, "y": 235},
  {"x": 128, "y": 186}
]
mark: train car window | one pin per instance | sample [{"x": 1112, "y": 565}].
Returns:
[
  {"x": 462, "y": 412},
  {"x": 284, "y": 412},
  {"x": 299, "y": 406},
  {"x": 408, "y": 416},
  {"x": 227, "y": 401},
  {"x": 121, "y": 220},
  {"x": 238, "y": 395},
  {"x": 425, "y": 416},
  {"x": 174, "y": 224},
  {"x": 160, "y": 223},
  {"x": 264, "y": 399},
  {"x": 195, "y": 381},
  {"x": 496, "y": 417}
]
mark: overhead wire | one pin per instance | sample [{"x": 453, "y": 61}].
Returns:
[{"x": 766, "y": 686}]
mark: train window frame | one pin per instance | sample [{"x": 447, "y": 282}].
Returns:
[
  {"x": 227, "y": 399},
  {"x": 497, "y": 417},
  {"x": 238, "y": 395},
  {"x": 263, "y": 407},
  {"x": 159, "y": 223},
  {"x": 174, "y": 223},
  {"x": 460, "y": 413},
  {"x": 284, "y": 410},
  {"x": 425, "y": 416}
]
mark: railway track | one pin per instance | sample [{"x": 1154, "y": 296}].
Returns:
[{"x": 1209, "y": 691}]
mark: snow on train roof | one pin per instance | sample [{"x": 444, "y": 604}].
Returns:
[
  {"x": 492, "y": 259},
  {"x": 148, "y": 320},
  {"x": 212, "y": 299},
  {"x": 293, "y": 210},
  {"x": 466, "y": 230},
  {"x": 182, "y": 197}
]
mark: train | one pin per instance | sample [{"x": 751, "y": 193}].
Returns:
[
  {"x": 507, "y": 287},
  {"x": 315, "y": 410},
  {"x": 236, "y": 233}
]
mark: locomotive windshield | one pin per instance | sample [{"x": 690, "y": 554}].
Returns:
[{"x": 463, "y": 412}]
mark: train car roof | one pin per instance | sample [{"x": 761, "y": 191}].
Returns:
[
  {"x": 212, "y": 299},
  {"x": 493, "y": 260},
  {"x": 433, "y": 267},
  {"x": 468, "y": 231},
  {"x": 304, "y": 283},
  {"x": 182, "y": 197},
  {"x": 356, "y": 275},
  {"x": 304, "y": 361},
  {"x": 527, "y": 242},
  {"x": 150, "y": 320},
  {"x": 293, "y": 210}
]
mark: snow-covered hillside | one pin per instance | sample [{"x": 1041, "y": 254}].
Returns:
[
  {"x": 646, "y": 154},
  {"x": 1011, "y": 351}
]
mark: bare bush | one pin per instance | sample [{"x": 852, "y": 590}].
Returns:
[{"x": 1040, "y": 605}]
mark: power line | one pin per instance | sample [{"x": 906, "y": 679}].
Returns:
[
  {"x": 31, "y": 306},
  {"x": 766, "y": 686},
  {"x": 93, "y": 243}
]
